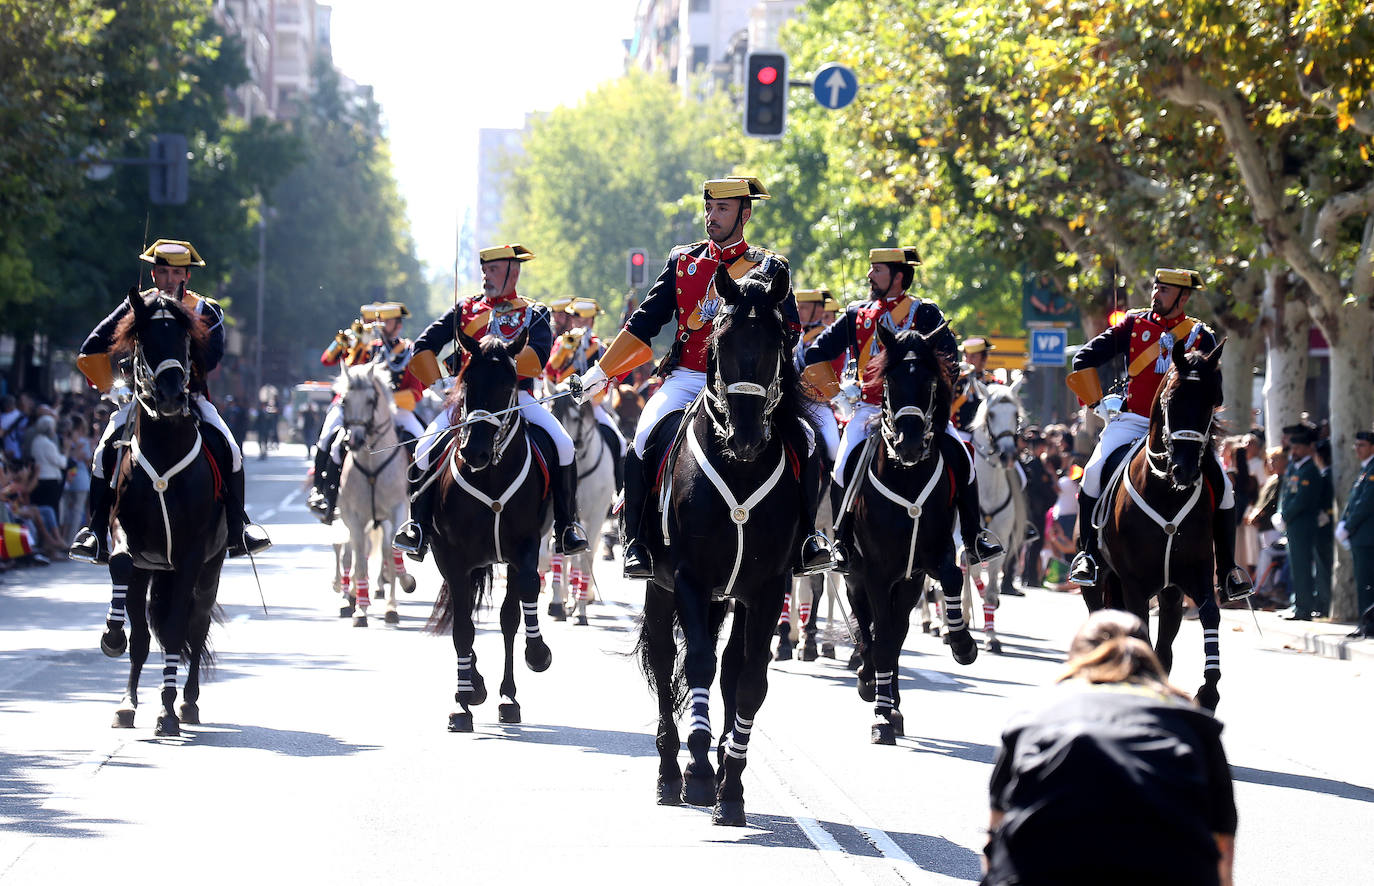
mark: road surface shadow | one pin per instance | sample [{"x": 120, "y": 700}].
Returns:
[
  {"x": 287, "y": 742},
  {"x": 596, "y": 741},
  {"x": 934, "y": 854},
  {"x": 948, "y": 747},
  {"x": 22, "y": 802},
  {"x": 1310, "y": 783}
]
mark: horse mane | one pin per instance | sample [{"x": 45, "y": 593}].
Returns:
[
  {"x": 944, "y": 392},
  {"x": 490, "y": 348},
  {"x": 125, "y": 337},
  {"x": 1173, "y": 380}
]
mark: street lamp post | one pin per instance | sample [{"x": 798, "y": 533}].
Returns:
[{"x": 262, "y": 294}]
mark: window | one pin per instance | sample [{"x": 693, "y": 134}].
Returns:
[
  {"x": 699, "y": 6},
  {"x": 701, "y": 57}
]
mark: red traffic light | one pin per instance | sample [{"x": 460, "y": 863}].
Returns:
[
  {"x": 637, "y": 259},
  {"x": 1115, "y": 317},
  {"x": 768, "y": 75}
]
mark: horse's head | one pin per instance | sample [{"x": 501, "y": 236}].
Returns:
[
  {"x": 999, "y": 417},
  {"x": 916, "y": 394},
  {"x": 1184, "y": 410},
  {"x": 366, "y": 392},
  {"x": 750, "y": 368},
  {"x": 166, "y": 341},
  {"x": 487, "y": 384}
]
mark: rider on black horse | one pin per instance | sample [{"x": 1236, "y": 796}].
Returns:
[
  {"x": 501, "y": 312},
  {"x": 1146, "y": 337},
  {"x": 172, "y": 261},
  {"x": 684, "y": 293},
  {"x": 855, "y": 333},
  {"x": 353, "y": 348}
]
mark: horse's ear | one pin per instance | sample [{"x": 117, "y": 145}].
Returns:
[
  {"x": 782, "y": 285},
  {"x": 136, "y": 303},
  {"x": 468, "y": 343},
  {"x": 1018, "y": 379},
  {"x": 517, "y": 344},
  {"x": 1215, "y": 357},
  {"x": 886, "y": 337},
  {"x": 1180, "y": 354},
  {"x": 726, "y": 287}
]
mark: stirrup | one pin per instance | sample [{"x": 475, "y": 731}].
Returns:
[
  {"x": 250, "y": 543},
  {"x": 985, "y": 546},
  {"x": 1083, "y": 570},
  {"x": 639, "y": 563},
  {"x": 87, "y": 548},
  {"x": 1236, "y": 585},
  {"x": 409, "y": 538},
  {"x": 816, "y": 556},
  {"x": 571, "y": 539}
]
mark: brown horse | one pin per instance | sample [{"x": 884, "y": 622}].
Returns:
[{"x": 1156, "y": 524}]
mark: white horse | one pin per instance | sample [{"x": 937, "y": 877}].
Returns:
[
  {"x": 572, "y": 578},
  {"x": 372, "y": 486},
  {"x": 1001, "y": 496}
]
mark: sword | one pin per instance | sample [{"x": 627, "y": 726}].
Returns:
[{"x": 482, "y": 418}]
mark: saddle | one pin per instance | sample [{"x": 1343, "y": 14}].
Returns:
[{"x": 1114, "y": 469}]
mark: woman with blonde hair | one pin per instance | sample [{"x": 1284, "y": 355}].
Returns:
[{"x": 1113, "y": 776}]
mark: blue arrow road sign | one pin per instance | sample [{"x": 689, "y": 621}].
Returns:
[
  {"x": 835, "y": 86},
  {"x": 1047, "y": 346}
]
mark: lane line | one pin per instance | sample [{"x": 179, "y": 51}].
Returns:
[{"x": 845, "y": 867}]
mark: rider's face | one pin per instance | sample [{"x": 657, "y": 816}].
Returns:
[
  {"x": 1166, "y": 298},
  {"x": 168, "y": 278},
  {"x": 725, "y": 219},
  {"x": 880, "y": 280},
  {"x": 499, "y": 276}
]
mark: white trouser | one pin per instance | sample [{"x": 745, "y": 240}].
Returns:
[
  {"x": 857, "y": 431},
  {"x": 208, "y": 415},
  {"x": 676, "y": 393},
  {"x": 1124, "y": 430},
  {"x": 604, "y": 419},
  {"x": 822, "y": 420},
  {"x": 333, "y": 420},
  {"x": 406, "y": 421},
  {"x": 531, "y": 411}
]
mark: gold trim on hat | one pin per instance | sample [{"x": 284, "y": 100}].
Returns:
[
  {"x": 510, "y": 251},
  {"x": 174, "y": 253},
  {"x": 900, "y": 254},
  {"x": 1185, "y": 277}
]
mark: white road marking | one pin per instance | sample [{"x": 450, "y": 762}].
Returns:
[{"x": 936, "y": 676}]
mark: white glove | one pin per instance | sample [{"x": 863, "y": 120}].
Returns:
[
  {"x": 1278, "y": 522},
  {"x": 844, "y": 409},
  {"x": 1342, "y": 534},
  {"x": 593, "y": 383}
]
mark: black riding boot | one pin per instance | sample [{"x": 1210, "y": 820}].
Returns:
[
  {"x": 568, "y": 535},
  {"x": 617, "y": 459},
  {"x": 90, "y": 545},
  {"x": 980, "y": 545},
  {"x": 1231, "y": 579},
  {"x": 243, "y": 539},
  {"x": 639, "y": 563},
  {"x": 816, "y": 555},
  {"x": 844, "y": 535},
  {"x": 412, "y": 537},
  {"x": 1083, "y": 570},
  {"x": 321, "y": 501}
]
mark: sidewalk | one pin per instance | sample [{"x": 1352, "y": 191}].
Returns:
[{"x": 1327, "y": 639}]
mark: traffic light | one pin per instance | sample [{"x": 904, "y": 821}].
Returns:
[
  {"x": 765, "y": 95},
  {"x": 636, "y": 264},
  {"x": 1115, "y": 317},
  {"x": 167, "y": 170}
]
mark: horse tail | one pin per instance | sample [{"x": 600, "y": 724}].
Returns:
[
  {"x": 160, "y": 621},
  {"x": 441, "y": 618},
  {"x": 646, "y": 649},
  {"x": 481, "y": 586}
]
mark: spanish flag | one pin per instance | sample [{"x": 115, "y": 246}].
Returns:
[{"x": 14, "y": 543}]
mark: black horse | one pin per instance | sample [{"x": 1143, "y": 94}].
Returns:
[
  {"x": 492, "y": 507},
  {"x": 903, "y": 511},
  {"x": 730, "y": 531},
  {"x": 169, "y": 494},
  {"x": 1157, "y": 524}
]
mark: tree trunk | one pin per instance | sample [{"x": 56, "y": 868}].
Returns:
[
  {"x": 1286, "y": 324},
  {"x": 1350, "y": 330},
  {"x": 1238, "y": 375}
]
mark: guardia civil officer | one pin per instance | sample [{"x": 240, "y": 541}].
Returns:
[
  {"x": 1356, "y": 531},
  {"x": 172, "y": 261},
  {"x": 1146, "y": 337},
  {"x": 501, "y": 312},
  {"x": 684, "y": 294},
  {"x": 855, "y": 333},
  {"x": 1300, "y": 495}
]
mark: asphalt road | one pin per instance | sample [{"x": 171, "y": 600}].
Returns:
[{"x": 324, "y": 754}]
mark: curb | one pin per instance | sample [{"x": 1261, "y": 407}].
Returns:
[{"x": 1326, "y": 639}]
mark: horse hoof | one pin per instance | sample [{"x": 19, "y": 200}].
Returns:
[
  {"x": 508, "y": 712},
  {"x": 538, "y": 657},
  {"x": 557, "y": 612},
  {"x": 898, "y": 722},
  {"x": 392, "y": 617},
  {"x": 113, "y": 643},
  {"x": 855, "y": 661},
  {"x": 993, "y": 645},
  {"x": 925, "y": 628},
  {"x": 581, "y": 621},
  {"x": 1208, "y": 697},
  {"x": 478, "y": 695},
  {"x": 868, "y": 689},
  {"x": 729, "y": 813},
  {"x": 962, "y": 646},
  {"x": 699, "y": 790},
  {"x": 346, "y": 612},
  {"x": 167, "y": 726},
  {"x": 809, "y": 652},
  {"x": 124, "y": 719},
  {"x": 828, "y": 650},
  {"x": 669, "y": 791},
  {"x": 407, "y": 582},
  {"x": 884, "y": 733},
  {"x": 784, "y": 652},
  {"x": 460, "y": 722},
  {"x": 190, "y": 713},
  {"x": 360, "y": 621}
]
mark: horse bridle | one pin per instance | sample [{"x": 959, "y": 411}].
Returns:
[
  {"x": 771, "y": 393},
  {"x": 505, "y": 425},
  {"x": 145, "y": 374},
  {"x": 888, "y": 422},
  {"x": 1013, "y": 432},
  {"x": 1171, "y": 436}
]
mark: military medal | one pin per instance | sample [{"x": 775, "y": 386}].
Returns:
[{"x": 692, "y": 269}]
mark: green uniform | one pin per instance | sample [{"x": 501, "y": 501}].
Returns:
[
  {"x": 1299, "y": 504},
  {"x": 1324, "y": 543},
  {"x": 1359, "y": 523}
]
